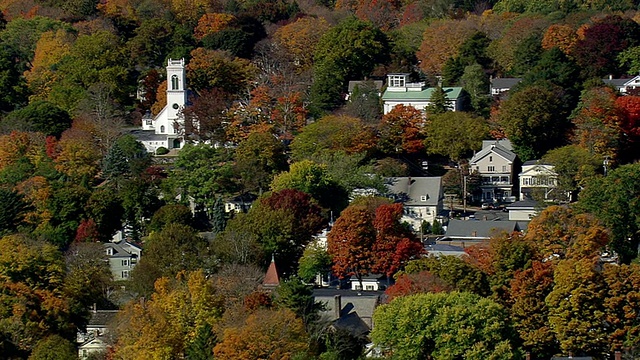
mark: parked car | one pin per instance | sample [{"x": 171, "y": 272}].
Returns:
[{"x": 486, "y": 206}]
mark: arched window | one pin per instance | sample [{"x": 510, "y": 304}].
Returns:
[
  {"x": 162, "y": 129},
  {"x": 174, "y": 82}
]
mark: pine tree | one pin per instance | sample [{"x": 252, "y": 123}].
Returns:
[
  {"x": 436, "y": 229},
  {"x": 218, "y": 217},
  {"x": 201, "y": 348},
  {"x": 438, "y": 102}
]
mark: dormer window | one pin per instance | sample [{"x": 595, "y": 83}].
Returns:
[
  {"x": 174, "y": 82},
  {"x": 109, "y": 251},
  {"x": 423, "y": 198}
]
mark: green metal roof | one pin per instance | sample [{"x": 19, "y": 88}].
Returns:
[{"x": 424, "y": 95}]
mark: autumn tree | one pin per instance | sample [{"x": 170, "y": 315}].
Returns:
[
  {"x": 561, "y": 36},
  {"x": 166, "y": 323},
  {"x": 350, "y": 243},
  {"x": 597, "y": 50},
  {"x": 416, "y": 283},
  {"x": 454, "y": 134},
  {"x": 441, "y": 41},
  {"x": 457, "y": 273},
  {"x": 53, "y": 347},
  {"x": 333, "y": 133},
  {"x": 534, "y": 119},
  {"x": 212, "y": 23},
  {"x": 210, "y": 69},
  {"x": 576, "y": 312},
  {"x": 621, "y": 305},
  {"x": 416, "y": 326},
  {"x": 50, "y": 48},
  {"x": 268, "y": 334},
  {"x": 529, "y": 313},
  {"x": 34, "y": 304},
  {"x": 593, "y": 121},
  {"x": 628, "y": 123},
  {"x": 400, "y": 131},
  {"x": 300, "y": 38},
  {"x": 149, "y": 46},
  {"x": 205, "y": 118}
]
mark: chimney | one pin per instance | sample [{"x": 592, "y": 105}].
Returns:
[
  {"x": 337, "y": 306},
  {"x": 528, "y": 356},
  {"x": 95, "y": 308},
  {"x": 618, "y": 355}
]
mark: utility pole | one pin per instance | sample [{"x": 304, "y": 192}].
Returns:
[{"x": 464, "y": 195}]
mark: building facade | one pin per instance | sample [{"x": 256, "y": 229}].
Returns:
[
  {"x": 498, "y": 166},
  {"x": 400, "y": 91}
]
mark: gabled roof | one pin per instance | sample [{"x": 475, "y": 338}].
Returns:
[
  {"x": 621, "y": 82},
  {"x": 121, "y": 249},
  {"x": 537, "y": 169},
  {"x": 101, "y": 318},
  {"x": 453, "y": 93},
  {"x": 495, "y": 148},
  {"x": 411, "y": 190},
  {"x": 148, "y": 135},
  {"x": 504, "y": 83},
  {"x": 477, "y": 229}
]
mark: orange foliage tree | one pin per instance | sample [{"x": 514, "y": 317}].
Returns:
[
  {"x": 561, "y": 36},
  {"x": 212, "y": 23},
  {"x": 422, "y": 282},
  {"x": 300, "y": 38},
  {"x": 266, "y": 334},
  {"x": 50, "y": 48},
  {"x": 400, "y": 131},
  {"x": 593, "y": 120},
  {"x": 441, "y": 41}
]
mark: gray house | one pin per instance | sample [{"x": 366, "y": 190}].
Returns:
[
  {"x": 123, "y": 257},
  {"x": 500, "y": 86},
  {"x": 422, "y": 198}
]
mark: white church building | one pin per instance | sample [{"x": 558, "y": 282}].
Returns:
[{"x": 166, "y": 129}]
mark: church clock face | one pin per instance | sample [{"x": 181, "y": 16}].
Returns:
[{"x": 176, "y": 106}]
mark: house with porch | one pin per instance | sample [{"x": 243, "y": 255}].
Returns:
[
  {"x": 400, "y": 91},
  {"x": 498, "y": 166},
  {"x": 537, "y": 176},
  {"x": 94, "y": 339},
  {"x": 166, "y": 129},
  {"x": 422, "y": 197}
]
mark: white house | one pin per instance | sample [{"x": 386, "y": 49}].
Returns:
[
  {"x": 167, "y": 128},
  {"x": 498, "y": 165},
  {"x": 623, "y": 85},
  {"x": 94, "y": 338},
  {"x": 422, "y": 197},
  {"x": 537, "y": 176},
  {"x": 523, "y": 210},
  {"x": 400, "y": 91}
]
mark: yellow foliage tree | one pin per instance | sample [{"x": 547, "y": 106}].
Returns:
[
  {"x": 50, "y": 48},
  {"x": 212, "y": 23},
  {"x": 165, "y": 325},
  {"x": 442, "y": 40}
]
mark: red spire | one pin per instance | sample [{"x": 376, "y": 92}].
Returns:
[{"x": 271, "y": 279}]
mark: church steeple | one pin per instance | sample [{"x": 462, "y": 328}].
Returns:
[
  {"x": 176, "y": 87},
  {"x": 271, "y": 279}
]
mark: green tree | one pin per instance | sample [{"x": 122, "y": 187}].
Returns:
[
  {"x": 438, "y": 103},
  {"x": 574, "y": 166},
  {"x": 40, "y": 116},
  {"x": 444, "y": 325},
  {"x": 314, "y": 180},
  {"x": 615, "y": 200},
  {"x": 54, "y": 347},
  {"x": 347, "y": 51},
  {"x": 455, "y": 272},
  {"x": 296, "y": 296},
  {"x": 365, "y": 103},
  {"x": 454, "y": 134},
  {"x": 171, "y": 214},
  {"x": 475, "y": 82},
  {"x": 201, "y": 348},
  {"x": 12, "y": 212},
  {"x": 315, "y": 260},
  {"x": 535, "y": 120},
  {"x": 258, "y": 159},
  {"x": 10, "y": 79}
]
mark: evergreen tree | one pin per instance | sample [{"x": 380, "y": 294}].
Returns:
[
  {"x": 218, "y": 216},
  {"x": 437, "y": 229},
  {"x": 201, "y": 348},
  {"x": 438, "y": 102}
]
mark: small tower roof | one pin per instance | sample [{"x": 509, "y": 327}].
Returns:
[{"x": 271, "y": 279}]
